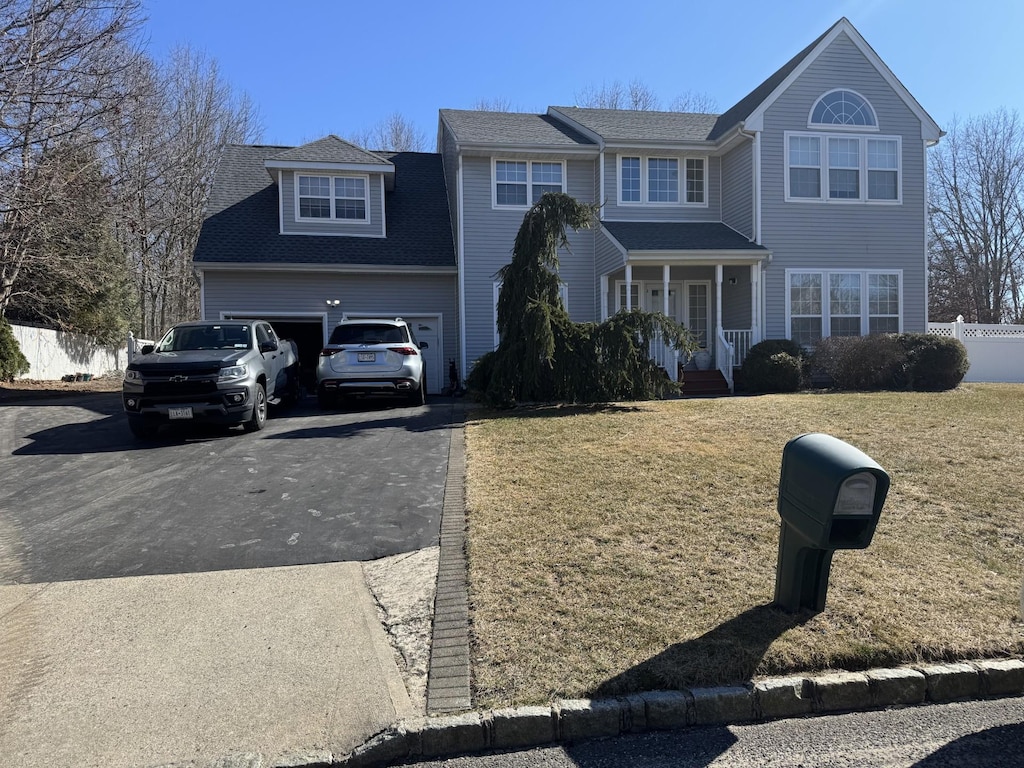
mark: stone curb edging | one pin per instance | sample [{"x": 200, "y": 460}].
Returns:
[
  {"x": 448, "y": 673},
  {"x": 776, "y": 698}
]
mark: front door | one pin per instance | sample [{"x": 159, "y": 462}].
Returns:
[{"x": 654, "y": 300}]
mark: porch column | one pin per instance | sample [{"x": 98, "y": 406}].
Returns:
[
  {"x": 718, "y": 299},
  {"x": 629, "y": 286},
  {"x": 604, "y": 298},
  {"x": 755, "y": 303},
  {"x": 664, "y": 288}
]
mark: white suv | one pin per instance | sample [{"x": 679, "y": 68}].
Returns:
[{"x": 371, "y": 357}]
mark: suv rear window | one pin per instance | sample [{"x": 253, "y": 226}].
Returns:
[{"x": 369, "y": 333}]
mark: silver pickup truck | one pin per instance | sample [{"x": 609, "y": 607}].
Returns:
[{"x": 226, "y": 372}]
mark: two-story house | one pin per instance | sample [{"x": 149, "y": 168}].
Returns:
[{"x": 798, "y": 213}]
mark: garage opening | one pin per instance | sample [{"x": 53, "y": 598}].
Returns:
[{"x": 306, "y": 332}]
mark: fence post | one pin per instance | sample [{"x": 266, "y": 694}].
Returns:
[
  {"x": 131, "y": 346},
  {"x": 958, "y": 328}
]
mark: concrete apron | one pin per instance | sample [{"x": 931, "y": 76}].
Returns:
[{"x": 193, "y": 668}]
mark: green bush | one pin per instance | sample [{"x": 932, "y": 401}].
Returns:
[
  {"x": 773, "y": 365},
  {"x": 861, "y": 362},
  {"x": 933, "y": 363},
  {"x": 12, "y": 362}
]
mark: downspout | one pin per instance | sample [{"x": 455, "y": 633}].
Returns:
[{"x": 755, "y": 137}]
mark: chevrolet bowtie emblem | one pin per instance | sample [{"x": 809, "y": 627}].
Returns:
[{"x": 178, "y": 378}]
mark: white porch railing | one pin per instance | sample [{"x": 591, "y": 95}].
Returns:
[
  {"x": 665, "y": 356},
  {"x": 725, "y": 357},
  {"x": 741, "y": 341}
]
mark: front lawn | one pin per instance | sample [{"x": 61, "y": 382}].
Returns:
[{"x": 633, "y": 546}]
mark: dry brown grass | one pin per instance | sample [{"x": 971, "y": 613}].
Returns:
[{"x": 632, "y": 547}]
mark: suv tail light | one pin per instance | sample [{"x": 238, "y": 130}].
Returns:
[
  {"x": 404, "y": 350},
  {"x": 328, "y": 352}
]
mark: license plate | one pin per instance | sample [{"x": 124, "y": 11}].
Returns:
[
  {"x": 366, "y": 357},
  {"x": 179, "y": 413}
]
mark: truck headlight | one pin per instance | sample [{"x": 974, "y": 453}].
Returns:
[
  {"x": 130, "y": 375},
  {"x": 233, "y": 372}
]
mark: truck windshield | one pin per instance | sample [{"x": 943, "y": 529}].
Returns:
[{"x": 221, "y": 336}]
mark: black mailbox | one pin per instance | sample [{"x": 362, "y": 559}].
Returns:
[{"x": 830, "y": 497}]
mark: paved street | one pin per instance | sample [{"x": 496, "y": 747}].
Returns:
[
  {"x": 80, "y": 499},
  {"x": 987, "y": 734}
]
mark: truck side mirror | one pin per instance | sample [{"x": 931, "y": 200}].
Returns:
[
  {"x": 830, "y": 497},
  {"x": 268, "y": 346},
  {"x": 146, "y": 349}
]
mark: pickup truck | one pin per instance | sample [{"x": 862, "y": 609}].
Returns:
[{"x": 225, "y": 372}]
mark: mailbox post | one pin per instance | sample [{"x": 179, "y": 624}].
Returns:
[{"x": 830, "y": 497}]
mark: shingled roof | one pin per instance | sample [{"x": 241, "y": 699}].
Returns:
[
  {"x": 641, "y": 125},
  {"x": 678, "y": 236},
  {"x": 472, "y": 126},
  {"x": 329, "y": 149},
  {"x": 243, "y": 220}
]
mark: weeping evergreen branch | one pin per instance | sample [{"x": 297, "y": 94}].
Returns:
[{"x": 543, "y": 355}]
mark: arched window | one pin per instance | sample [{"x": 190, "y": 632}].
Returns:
[{"x": 843, "y": 108}]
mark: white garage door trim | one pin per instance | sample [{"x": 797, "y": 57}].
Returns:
[{"x": 437, "y": 373}]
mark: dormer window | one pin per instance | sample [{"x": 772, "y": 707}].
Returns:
[
  {"x": 843, "y": 108},
  {"x": 332, "y": 197}
]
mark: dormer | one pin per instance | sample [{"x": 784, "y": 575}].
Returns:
[{"x": 331, "y": 187}]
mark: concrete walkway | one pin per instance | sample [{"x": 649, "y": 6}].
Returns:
[{"x": 263, "y": 666}]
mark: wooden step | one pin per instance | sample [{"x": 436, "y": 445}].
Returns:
[{"x": 704, "y": 383}]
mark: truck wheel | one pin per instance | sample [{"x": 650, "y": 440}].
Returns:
[
  {"x": 142, "y": 429},
  {"x": 258, "y": 419}
]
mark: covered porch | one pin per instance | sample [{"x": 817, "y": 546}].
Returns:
[{"x": 705, "y": 276}]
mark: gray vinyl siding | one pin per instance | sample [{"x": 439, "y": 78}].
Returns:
[
  {"x": 662, "y": 212},
  {"x": 375, "y": 227},
  {"x": 607, "y": 260},
  {"x": 450, "y": 160},
  {"x": 856, "y": 236},
  {"x": 736, "y": 298},
  {"x": 737, "y": 189},
  {"x": 301, "y": 293},
  {"x": 489, "y": 237}
]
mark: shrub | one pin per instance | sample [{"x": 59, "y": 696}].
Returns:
[
  {"x": 933, "y": 363},
  {"x": 861, "y": 362},
  {"x": 12, "y": 362},
  {"x": 773, "y": 365}
]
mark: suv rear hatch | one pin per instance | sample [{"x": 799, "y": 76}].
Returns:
[{"x": 366, "y": 349}]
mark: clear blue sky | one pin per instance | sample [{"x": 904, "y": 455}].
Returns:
[{"x": 342, "y": 65}]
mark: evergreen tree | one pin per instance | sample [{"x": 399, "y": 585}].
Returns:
[
  {"x": 12, "y": 361},
  {"x": 543, "y": 355}
]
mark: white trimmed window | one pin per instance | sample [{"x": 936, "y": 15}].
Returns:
[
  {"x": 824, "y": 303},
  {"x": 521, "y": 183},
  {"x": 656, "y": 180},
  {"x": 830, "y": 168},
  {"x": 332, "y": 197}
]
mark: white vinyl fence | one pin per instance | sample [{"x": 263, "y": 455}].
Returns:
[
  {"x": 53, "y": 355},
  {"x": 996, "y": 352}
]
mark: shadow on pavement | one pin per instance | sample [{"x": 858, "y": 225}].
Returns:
[
  {"x": 730, "y": 653},
  {"x": 702, "y": 748},
  {"x": 998, "y": 747}
]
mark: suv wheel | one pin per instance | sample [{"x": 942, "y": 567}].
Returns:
[
  {"x": 258, "y": 419},
  {"x": 419, "y": 396}
]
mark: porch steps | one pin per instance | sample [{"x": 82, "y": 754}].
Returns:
[{"x": 704, "y": 383}]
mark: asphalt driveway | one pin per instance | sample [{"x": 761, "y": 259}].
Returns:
[{"x": 81, "y": 499}]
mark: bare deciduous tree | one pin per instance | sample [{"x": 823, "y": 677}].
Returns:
[
  {"x": 616, "y": 95},
  {"x": 395, "y": 133},
  {"x": 165, "y": 150},
  {"x": 498, "y": 104},
  {"x": 61, "y": 63},
  {"x": 976, "y": 214},
  {"x": 691, "y": 101}
]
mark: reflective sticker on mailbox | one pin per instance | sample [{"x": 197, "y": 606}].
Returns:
[{"x": 857, "y": 495}]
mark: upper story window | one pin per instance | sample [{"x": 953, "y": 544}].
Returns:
[
  {"x": 656, "y": 180},
  {"x": 332, "y": 197},
  {"x": 841, "y": 108},
  {"x": 520, "y": 183},
  {"x": 827, "y": 167}
]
